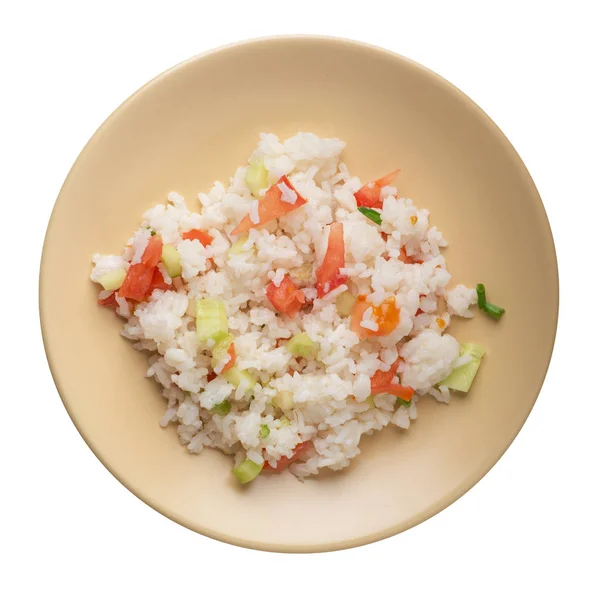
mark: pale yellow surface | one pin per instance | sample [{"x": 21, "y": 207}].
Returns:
[{"x": 197, "y": 123}]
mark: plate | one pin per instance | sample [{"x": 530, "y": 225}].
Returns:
[{"x": 195, "y": 124}]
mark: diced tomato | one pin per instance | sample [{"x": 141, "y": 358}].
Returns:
[
  {"x": 137, "y": 282},
  {"x": 286, "y": 298},
  {"x": 158, "y": 283},
  {"x": 270, "y": 207},
  {"x": 382, "y": 383},
  {"x": 369, "y": 194},
  {"x": 387, "y": 315},
  {"x": 328, "y": 276},
  {"x": 211, "y": 376},
  {"x": 152, "y": 254},
  {"x": 409, "y": 260},
  {"x": 197, "y": 234},
  {"x": 232, "y": 358},
  {"x": 109, "y": 302},
  {"x": 285, "y": 461}
]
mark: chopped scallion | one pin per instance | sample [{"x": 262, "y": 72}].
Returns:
[
  {"x": 264, "y": 431},
  {"x": 481, "y": 295},
  {"x": 403, "y": 402},
  {"x": 222, "y": 408},
  {"x": 372, "y": 214},
  {"x": 494, "y": 311}
]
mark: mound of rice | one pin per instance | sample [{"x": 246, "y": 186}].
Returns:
[{"x": 331, "y": 405}]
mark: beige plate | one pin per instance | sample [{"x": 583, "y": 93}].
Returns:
[{"x": 197, "y": 123}]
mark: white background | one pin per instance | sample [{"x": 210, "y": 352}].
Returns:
[{"x": 69, "y": 529}]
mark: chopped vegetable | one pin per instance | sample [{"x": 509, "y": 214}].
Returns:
[
  {"x": 286, "y": 298},
  {"x": 386, "y": 316},
  {"x": 237, "y": 377},
  {"x": 301, "y": 345},
  {"x": 113, "y": 280},
  {"x": 490, "y": 309},
  {"x": 222, "y": 409},
  {"x": 372, "y": 214},
  {"x": 284, "y": 421},
  {"x": 271, "y": 206},
  {"x": 109, "y": 302},
  {"x": 382, "y": 383},
  {"x": 328, "y": 275},
  {"x": 370, "y": 401},
  {"x": 462, "y": 377},
  {"x": 369, "y": 194},
  {"x": 403, "y": 402},
  {"x": 157, "y": 283},
  {"x": 257, "y": 177},
  {"x": 481, "y": 295},
  {"x": 246, "y": 471},
  {"x": 264, "y": 431},
  {"x": 285, "y": 461},
  {"x": 222, "y": 349},
  {"x": 152, "y": 254},
  {"x": 238, "y": 246},
  {"x": 137, "y": 282},
  {"x": 197, "y": 234},
  {"x": 409, "y": 260},
  {"x": 344, "y": 304},
  {"x": 170, "y": 257},
  {"x": 283, "y": 400},
  {"x": 211, "y": 320}
]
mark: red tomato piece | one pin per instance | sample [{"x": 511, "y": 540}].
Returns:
[
  {"x": 197, "y": 234},
  {"x": 158, "y": 283},
  {"x": 286, "y": 298},
  {"x": 137, "y": 282},
  {"x": 382, "y": 383},
  {"x": 369, "y": 194},
  {"x": 211, "y": 376},
  {"x": 152, "y": 254},
  {"x": 285, "y": 461},
  {"x": 109, "y": 302},
  {"x": 328, "y": 276},
  {"x": 270, "y": 207}
]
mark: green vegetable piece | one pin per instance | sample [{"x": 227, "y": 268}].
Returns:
[
  {"x": 370, "y": 401},
  {"x": 171, "y": 259},
  {"x": 222, "y": 409},
  {"x": 283, "y": 400},
  {"x": 461, "y": 378},
  {"x": 113, "y": 280},
  {"x": 284, "y": 421},
  {"x": 238, "y": 246},
  {"x": 494, "y": 311},
  {"x": 247, "y": 470},
  {"x": 236, "y": 376},
  {"x": 344, "y": 304},
  {"x": 211, "y": 320},
  {"x": 481, "y": 295},
  {"x": 264, "y": 432},
  {"x": 402, "y": 402},
  {"x": 257, "y": 177},
  {"x": 301, "y": 345},
  {"x": 372, "y": 214}
]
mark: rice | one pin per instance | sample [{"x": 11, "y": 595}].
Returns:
[{"x": 328, "y": 405}]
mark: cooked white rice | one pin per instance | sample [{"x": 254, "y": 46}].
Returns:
[{"x": 330, "y": 391}]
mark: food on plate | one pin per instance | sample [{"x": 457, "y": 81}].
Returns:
[{"x": 292, "y": 309}]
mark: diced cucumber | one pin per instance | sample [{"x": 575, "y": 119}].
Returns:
[
  {"x": 344, "y": 304},
  {"x": 236, "y": 376},
  {"x": 238, "y": 246},
  {"x": 113, "y": 280},
  {"x": 284, "y": 421},
  {"x": 221, "y": 350},
  {"x": 257, "y": 177},
  {"x": 247, "y": 470},
  {"x": 222, "y": 409},
  {"x": 301, "y": 345},
  {"x": 265, "y": 431},
  {"x": 171, "y": 259},
  {"x": 211, "y": 320},
  {"x": 462, "y": 377},
  {"x": 283, "y": 400}
]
